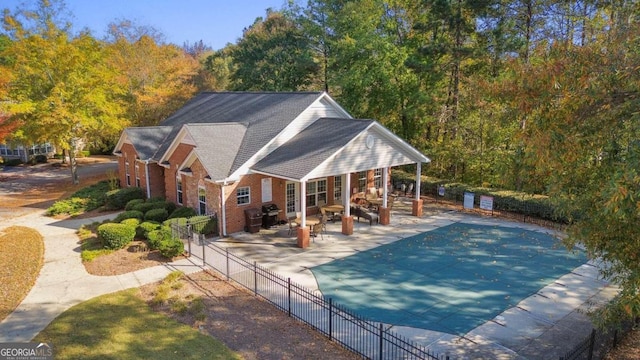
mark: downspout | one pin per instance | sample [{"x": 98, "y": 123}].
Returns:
[
  {"x": 146, "y": 176},
  {"x": 223, "y": 211}
]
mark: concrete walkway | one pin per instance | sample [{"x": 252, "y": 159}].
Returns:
[{"x": 63, "y": 280}]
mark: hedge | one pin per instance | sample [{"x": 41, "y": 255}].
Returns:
[
  {"x": 183, "y": 212},
  {"x": 118, "y": 199},
  {"x": 115, "y": 236},
  {"x": 203, "y": 224},
  {"x": 133, "y": 222},
  {"x": 157, "y": 215},
  {"x": 156, "y": 237},
  {"x": 171, "y": 248},
  {"x": 132, "y": 203},
  {"x": 536, "y": 206},
  {"x": 131, "y": 214},
  {"x": 143, "y": 230}
]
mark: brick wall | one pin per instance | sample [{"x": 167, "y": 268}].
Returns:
[
  {"x": 128, "y": 154},
  {"x": 175, "y": 160}
]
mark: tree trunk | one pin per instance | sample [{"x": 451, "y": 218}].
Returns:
[{"x": 74, "y": 164}]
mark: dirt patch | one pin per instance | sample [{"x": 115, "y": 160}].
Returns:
[
  {"x": 133, "y": 257},
  {"x": 244, "y": 322}
]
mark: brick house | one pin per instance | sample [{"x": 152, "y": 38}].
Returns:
[{"x": 227, "y": 152}]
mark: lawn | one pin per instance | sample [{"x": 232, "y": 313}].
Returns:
[
  {"x": 122, "y": 326},
  {"x": 18, "y": 273}
]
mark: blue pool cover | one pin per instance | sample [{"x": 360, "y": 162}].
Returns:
[{"x": 451, "y": 279}]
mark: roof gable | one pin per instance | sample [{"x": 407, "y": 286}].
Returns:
[
  {"x": 265, "y": 115},
  {"x": 145, "y": 140}
]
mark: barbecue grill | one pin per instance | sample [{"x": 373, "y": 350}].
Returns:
[{"x": 270, "y": 215}]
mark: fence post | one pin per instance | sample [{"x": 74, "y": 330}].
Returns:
[
  {"x": 289, "y": 297},
  {"x": 592, "y": 343},
  {"x": 189, "y": 235},
  {"x": 227, "y": 253},
  {"x": 204, "y": 261},
  {"x": 330, "y": 318},
  {"x": 381, "y": 340},
  {"x": 255, "y": 278}
]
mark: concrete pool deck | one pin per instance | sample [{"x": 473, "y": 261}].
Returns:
[{"x": 543, "y": 326}]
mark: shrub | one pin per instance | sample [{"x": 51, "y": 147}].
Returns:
[
  {"x": 132, "y": 203},
  {"x": 203, "y": 224},
  {"x": 115, "y": 236},
  {"x": 133, "y": 222},
  {"x": 85, "y": 199},
  {"x": 171, "y": 248},
  {"x": 181, "y": 221},
  {"x": 156, "y": 237},
  {"x": 131, "y": 214},
  {"x": 183, "y": 212},
  {"x": 118, "y": 199},
  {"x": 142, "y": 231},
  {"x": 158, "y": 215}
]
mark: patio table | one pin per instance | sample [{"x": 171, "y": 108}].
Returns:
[{"x": 310, "y": 221}]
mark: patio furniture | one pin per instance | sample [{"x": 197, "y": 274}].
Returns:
[
  {"x": 332, "y": 211},
  {"x": 316, "y": 230},
  {"x": 292, "y": 225},
  {"x": 360, "y": 212},
  {"x": 309, "y": 220}
]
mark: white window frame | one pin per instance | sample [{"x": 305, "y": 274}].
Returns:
[
  {"x": 316, "y": 191},
  {"x": 179, "y": 192},
  {"x": 362, "y": 181},
  {"x": 377, "y": 178},
  {"x": 243, "y": 195},
  {"x": 137, "y": 173},
  {"x": 202, "y": 201},
  {"x": 126, "y": 172},
  {"x": 337, "y": 188}
]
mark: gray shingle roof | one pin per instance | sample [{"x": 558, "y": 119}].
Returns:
[
  {"x": 217, "y": 146},
  {"x": 147, "y": 140},
  {"x": 307, "y": 150},
  {"x": 265, "y": 115}
]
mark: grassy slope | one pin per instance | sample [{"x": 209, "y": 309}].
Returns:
[
  {"x": 122, "y": 326},
  {"x": 21, "y": 256}
]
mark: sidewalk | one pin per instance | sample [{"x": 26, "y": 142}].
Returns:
[{"x": 63, "y": 280}]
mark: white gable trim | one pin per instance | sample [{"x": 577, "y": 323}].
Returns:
[
  {"x": 323, "y": 106},
  {"x": 124, "y": 139}
]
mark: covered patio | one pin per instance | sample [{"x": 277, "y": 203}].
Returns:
[{"x": 331, "y": 148}]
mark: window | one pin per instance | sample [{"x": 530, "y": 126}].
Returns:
[
  {"x": 377, "y": 178},
  {"x": 362, "y": 181},
  {"x": 126, "y": 172},
  {"x": 137, "y": 172},
  {"x": 243, "y": 195},
  {"x": 316, "y": 192},
  {"x": 337, "y": 188},
  {"x": 179, "y": 190},
  {"x": 202, "y": 201}
]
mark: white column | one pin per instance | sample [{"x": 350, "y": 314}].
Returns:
[
  {"x": 418, "y": 172},
  {"x": 347, "y": 195},
  {"x": 385, "y": 187},
  {"x": 146, "y": 176},
  {"x": 303, "y": 203}
]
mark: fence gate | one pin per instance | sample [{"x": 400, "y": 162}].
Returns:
[{"x": 194, "y": 229}]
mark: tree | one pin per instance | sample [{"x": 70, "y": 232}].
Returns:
[
  {"x": 60, "y": 88},
  {"x": 273, "y": 55},
  {"x": 156, "y": 79}
]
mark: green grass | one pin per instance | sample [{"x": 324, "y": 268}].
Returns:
[{"x": 122, "y": 326}]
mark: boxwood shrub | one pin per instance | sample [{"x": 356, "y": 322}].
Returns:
[
  {"x": 131, "y": 214},
  {"x": 133, "y": 203},
  {"x": 115, "y": 236},
  {"x": 171, "y": 248},
  {"x": 157, "y": 215},
  {"x": 203, "y": 224},
  {"x": 118, "y": 199},
  {"x": 183, "y": 212},
  {"x": 156, "y": 237},
  {"x": 142, "y": 231},
  {"x": 133, "y": 222}
]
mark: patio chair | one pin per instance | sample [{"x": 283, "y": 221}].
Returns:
[
  {"x": 292, "y": 225},
  {"x": 317, "y": 229}
]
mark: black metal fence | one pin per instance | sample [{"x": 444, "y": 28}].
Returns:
[
  {"x": 370, "y": 339},
  {"x": 598, "y": 343}
]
